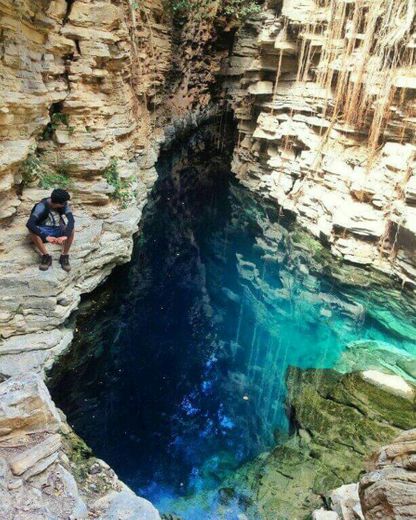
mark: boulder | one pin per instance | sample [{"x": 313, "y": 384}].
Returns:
[
  {"x": 126, "y": 506},
  {"x": 388, "y": 489},
  {"x": 322, "y": 514},
  {"x": 26, "y": 407},
  {"x": 346, "y": 502}
]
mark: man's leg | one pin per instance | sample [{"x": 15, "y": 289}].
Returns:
[
  {"x": 68, "y": 243},
  {"x": 66, "y": 246},
  {"x": 37, "y": 241},
  {"x": 46, "y": 260}
]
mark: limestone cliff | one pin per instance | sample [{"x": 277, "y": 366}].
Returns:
[
  {"x": 89, "y": 90},
  {"x": 39, "y": 457},
  {"x": 323, "y": 92},
  {"x": 324, "y": 95}
]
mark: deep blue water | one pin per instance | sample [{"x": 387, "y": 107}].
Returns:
[{"x": 177, "y": 373}]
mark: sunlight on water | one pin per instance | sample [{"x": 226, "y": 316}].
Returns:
[{"x": 177, "y": 374}]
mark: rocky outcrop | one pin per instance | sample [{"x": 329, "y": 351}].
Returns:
[
  {"x": 345, "y": 505},
  {"x": 90, "y": 90},
  {"x": 388, "y": 489},
  {"x": 324, "y": 124},
  {"x": 71, "y": 107},
  {"x": 338, "y": 420},
  {"x": 46, "y": 471},
  {"x": 376, "y": 355}
]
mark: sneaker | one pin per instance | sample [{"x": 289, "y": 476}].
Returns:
[
  {"x": 64, "y": 261},
  {"x": 45, "y": 263}
]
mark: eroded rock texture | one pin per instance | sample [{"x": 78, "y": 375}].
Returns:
[
  {"x": 324, "y": 95},
  {"x": 88, "y": 89},
  {"x": 45, "y": 469},
  {"x": 71, "y": 106},
  {"x": 387, "y": 491},
  {"x": 339, "y": 420}
]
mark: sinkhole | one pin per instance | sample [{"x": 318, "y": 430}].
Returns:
[{"x": 176, "y": 375}]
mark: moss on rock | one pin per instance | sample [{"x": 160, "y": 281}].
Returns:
[{"x": 339, "y": 420}]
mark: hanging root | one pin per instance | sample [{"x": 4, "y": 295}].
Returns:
[{"x": 366, "y": 61}]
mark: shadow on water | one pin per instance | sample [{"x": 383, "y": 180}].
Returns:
[{"x": 176, "y": 374}]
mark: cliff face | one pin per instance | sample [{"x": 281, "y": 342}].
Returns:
[
  {"x": 324, "y": 95},
  {"x": 71, "y": 92},
  {"x": 46, "y": 471},
  {"x": 88, "y": 89}
]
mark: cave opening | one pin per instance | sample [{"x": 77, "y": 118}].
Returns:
[{"x": 176, "y": 376}]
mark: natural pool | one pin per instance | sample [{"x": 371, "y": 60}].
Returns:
[{"x": 177, "y": 372}]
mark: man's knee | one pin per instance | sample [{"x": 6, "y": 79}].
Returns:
[{"x": 33, "y": 237}]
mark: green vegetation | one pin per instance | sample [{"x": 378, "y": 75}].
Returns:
[
  {"x": 123, "y": 192},
  {"x": 55, "y": 180},
  {"x": 34, "y": 171},
  {"x": 238, "y": 9},
  {"x": 79, "y": 454},
  {"x": 57, "y": 119},
  {"x": 31, "y": 169}
]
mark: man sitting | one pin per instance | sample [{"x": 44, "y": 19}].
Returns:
[{"x": 51, "y": 220}]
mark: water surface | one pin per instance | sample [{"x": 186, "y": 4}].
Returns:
[{"x": 177, "y": 373}]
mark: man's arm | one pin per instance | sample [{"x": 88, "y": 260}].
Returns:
[
  {"x": 32, "y": 223},
  {"x": 71, "y": 221}
]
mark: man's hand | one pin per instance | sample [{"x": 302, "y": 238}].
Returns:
[{"x": 54, "y": 240}]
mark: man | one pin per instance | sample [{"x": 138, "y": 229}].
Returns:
[{"x": 51, "y": 220}]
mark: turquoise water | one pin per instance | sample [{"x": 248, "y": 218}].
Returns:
[{"x": 177, "y": 374}]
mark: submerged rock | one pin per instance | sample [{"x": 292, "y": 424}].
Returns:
[
  {"x": 378, "y": 355},
  {"x": 338, "y": 421}
]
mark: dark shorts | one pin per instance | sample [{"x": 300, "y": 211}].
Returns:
[{"x": 53, "y": 231}]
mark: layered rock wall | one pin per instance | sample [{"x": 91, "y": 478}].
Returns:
[
  {"x": 325, "y": 106},
  {"x": 324, "y": 93},
  {"x": 39, "y": 457},
  {"x": 88, "y": 89},
  {"x": 388, "y": 489}
]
